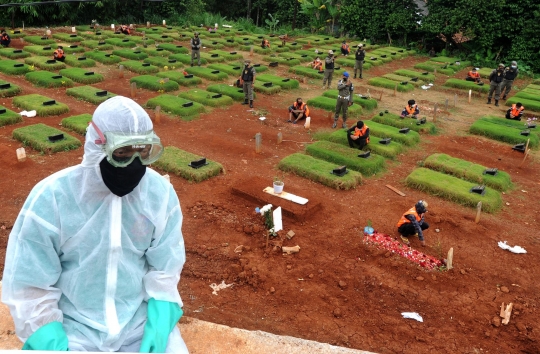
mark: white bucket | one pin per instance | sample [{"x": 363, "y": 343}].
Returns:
[
  {"x": 278, "y": 188},
  {"x": 307, "y": 123},
  {"x": 21, "y": 154}
]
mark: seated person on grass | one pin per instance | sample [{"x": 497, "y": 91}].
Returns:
[
  {"x": 59, "y": 54},
  {"x": 265, "y": 44},
  {"x": 411, "y": 109},
  {"x": 474, "y": 76},
  {"x": 298, "y": 110},
  {"x": 4, "y": 39},
  {"x": 125, "y": 29},
  {"x": 515, "y": 112},
  {"x": 317, "y": 64},
  {"x": 345, "y": 50},
  {"x": 412, "y": 223},
  {"x": 358, "y": 135}
]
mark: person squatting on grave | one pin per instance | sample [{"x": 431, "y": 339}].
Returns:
[
  {"x": 411, "y": 109},
  {"x": 473, "y": 75},
  {"x": 196, "y": 48},
  {"x": 345, "y": 49},
  {"x": 359, "y": 57},
  {"x": 247, "y": 79},
  {"x": 59, "y": 54},
  {"x": 509, "y": 75},
  {"x": 344, "y": 99},
  {"x": 4, "y": 39},
  {"x": 328, "y": 69},
  {"x": 515, "y": 112},
  {"x": 412, "y": 223},
  {"x": 299, "y": 110},
  {"x": 495, "y": 79},
  {"x": 317, "y": 64},
  {"x": 125, "y": 29},
  {"x": 265, "y": 43},
  {"x": 358, "y": 135},
  {"x": 94, "y": 258}
]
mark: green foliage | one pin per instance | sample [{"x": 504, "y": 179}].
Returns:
[
  {"x": 528, "y": 96},
  {"x": 47, "y": 79},
  {"x": 235, "y": 93},
  {"x": 390, "y": 151},
  {"x": 180, "y": 78},
  {"x": 396, "y": 121},
  {"x": 285, "y": 83},
  {"x": 207, "y": 73},
  {"x": 469, "y": 171},
  {"x": 389, "y": 84},
  {"x": 366, "y": 103},
  {"x": 11, "y": 91},
  {"x": 103, "y": 58},
  {"x": 139, "y": 68},
  {"x": 429, "y": 66},
  {"x": 41, "y": 62},
  {"x": 454, "y": 189},
  {"x": 329, "y": 104},
  {"x": 78, "y": 124},
  {"x": 343, "y": 155},
  {"x": 9, "y": 117},
  {"x": 155, "y": 83},
  {"x": 176, "y": 161},
  {"x": 207, "y": 98},
  {"x": 502, "y": 133},
  {"x": 319, "y": 171},
  {"x": 8, "y": 67},
  {"x": 88, "y": 93},
  {"x": 130, "y": 54},
  {"x": 35, "y": 102},
  {"x": 174, "y": 105},
  {"x": 79, "y": 62},
  {"x": 466, "y": 85},
  {"x": 9, "y": 53},
  {"x": 37, "y": 136},
  {"x": 272, "y": 23}
]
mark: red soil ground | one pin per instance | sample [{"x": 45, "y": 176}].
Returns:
[{"x": 300, "y": 294}]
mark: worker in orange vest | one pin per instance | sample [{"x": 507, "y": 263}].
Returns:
[
  {"x": 265, "y": 43},
  {"x": 298, "y": 110},
  {"x": 358, "y": 135},
  {"x": 345, "y": 50},
  {"x": 4, "y": 39},
  {"x": 411, "y": 109},
  {"x": 124, "y": 29},
  {"x": 515, "y": 112},
  {"x": 59, "y": 54},
  {"x": 473, "y": 75},
  {"x": 317, "y": 64},
  {"x": 412, "y": 223}
]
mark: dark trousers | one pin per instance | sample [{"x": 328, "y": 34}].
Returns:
[
  {"x": 515, "y": 118},
  {"x": 407, "y": 229},
  {"x": 5, "y": 43},
  {"x": 360, "y": 142},
  {"x": 60, "y": 59},
  {"x": 342, "y": 105},
  {"x": 471, "y": 79}
]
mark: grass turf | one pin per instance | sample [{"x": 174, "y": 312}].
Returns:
[
  {"x": 164, "y": 63},
  {"x": 300, "y": 57},
  {"x": 528, "y": 95},
  {"x": 66, "y": 37},
  {"x": 259, "y": 86},
  {"x": 41, "y": 62},
  {"x": 103, "y": 58},
  {"x": 154, "y": 83},
  {"x": 395, "y": 120},
  {"x": 35, "y": 102},
  {"x": 40, "y": 50},
  {"x": 88, "y": 93},
  {"x": 48, "y": 79},
  {"x": 9, "y": 117},
  {"x": 156, "y": 52},
  {"x": 77, "y": 123},
  {"x": 510, "y": 123},
  {"x": 285, "y": 83},
  {"x": 386, "y": 131},
  {"x": 366, "y": 103},
  {"x": 329, "y": 104},
  {"x": 342, "y": 155},
  {"x": 502, "y": 133},
  {"x": 306, "y": 71},
  {"x": 74, "y": 48},
  {"x": 11, "y": 67},
  {"x": 227, "y": 55},
  {"x": 469, "y": 171},
  {"x": 207, "y": 98},
  {"x": 12, "y": 53},
  {"x": 186, "y": 59},
  {"x": 207, "y": 73},
  {"x": 466, "y": 85},
  {"x": 390, "y": 151},
  {"x": 235, "y": 93},
  {"x": 399, "y": 78},
  {"x": 37, "y": 136},
  {"x": 180, "y": 78},
  {"x": 119, "y": 42},
  {"x": 282, "y": 61},
  {"x": 38, "y": 40},
  {"x": 530, "y": 105},
  {"x": 93, "y": 44},
  {"x": 130, "y": 54},
  {"x": 139, "y": 68},
  {"x": 174, "y": 105},
  {"x": 453, "y": 189},
  {"x": 212, "y": 58},
  {"x": 319, "y": 171},
  {"x": 173, "y": 48},
  {"x": 177, "y": 161},
  {"x": 10, "y": 91},
  {"x": 80, "y": 76},
  {"x": 226, "y": 68},
  {"x": 419, "y": 74},
  {"x": 389, "y": 84},
  {"x": 79, "y": 62}
]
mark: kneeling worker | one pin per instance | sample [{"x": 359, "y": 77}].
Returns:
[
  {"x": 59, "y": 54},
  {"x": 298, "y": 110},
  {"x": 515, "y": 112},
  {"x": 265, "y": 43},
  {"x": 411, "y": 109},
  {"x": 358, "y": 135},
  {"x": 473, "y": 75},
  {"x": 412, "y": 223},
  {"x": 317, "y": 64},
  {"x": 4, "y": 39}
]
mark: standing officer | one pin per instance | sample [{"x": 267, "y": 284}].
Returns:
[
  {"x": 495, "y": 79},
  {"x": 344, "y": 100},
  {"x": 247, "y": 79},
  {"x": 508, "y": 79},
  {"x": 359, "y": 56},
  {"x": 328, "y": 69},
  {"x": 196, "y": 48}
]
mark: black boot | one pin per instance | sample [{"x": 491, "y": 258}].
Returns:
[
  {"x": 355, "y": 76},
  {"x": 504, "y": 97},
  {"x": 496, "y": 103},
  {"x": 489, "y": 101},
  {"x": 251, "y": 104},
  {"x": 245, "y": 101}
]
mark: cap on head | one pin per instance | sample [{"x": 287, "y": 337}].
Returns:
[
  {"x": 196, "y": 33},
  {"x": 359, "y": 124},
  {"x": 330, "y": 51},
  {"x": 421, "y": 206},
  {"x": 345, "y": 74},
  {"x": 411, "y": 102},
  {"x": 501, "y": 65},
  {"x": 514, "y": 63},
  {"x": 360, "y": 45},
  {"x": 247, "y": 61}
]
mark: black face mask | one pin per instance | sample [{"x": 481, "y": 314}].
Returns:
[{"x": 122, "y": 180}]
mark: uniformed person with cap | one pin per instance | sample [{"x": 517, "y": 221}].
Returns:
[
  {"x": 196, "y": 48},
  {"x": 344, "y": 100},
  {"x": 359, "y": 56},
  {"x": 495, "y": 80},
  {"x": 328, "y": 69},
  {"x": 247, "y": 79}
]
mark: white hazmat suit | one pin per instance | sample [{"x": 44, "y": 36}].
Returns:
[{"x": 82, "y": 256}]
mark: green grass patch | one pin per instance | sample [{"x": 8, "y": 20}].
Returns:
[
  {"x": 94, "y": 44},
  {"x": 174, "y": 105},
  {"x": 227, "y": 55},
  {"x": 40, "y": 50},
  {"x": 48, "y": 79},
  {"x": 466, "y": 85},
  {"x": 11, "y": 54},
  {"x": 207, "y": 98},
  {"x": 35, "y": 102},
  {"x": 9, "y": 117},
  {"x": 207, "y": 73},
  {"x": 180, "y": 78},
  {"x": 73, "y": 49},
  {"x": 259, "y": 86},
  {"x": 502, "y": 133},
  {"x": 444, "y": 59},
  {"x": 130, "y": 54},
  {"x": 10, "y": 91},
  {"x": 395, "y": 120},
  {"x": 530, "y": 105},
  {"x": 533, "y": 86},
  {"x": 41, "y": 62},
  {"x": 154, "y": 83},
  {"x": 386, "y": 131},
  {"x": 37, "y": 40},
  {"x": 366, "y": 103},
  {"x": 9, "y": 67},
  {"x": 282, "y": 61},
  {"x": 79, "y": 62},
  {"x": 212, "y": 58},
  {"x": 88, "y": 93},
  {"x": 234, "y": 70},
  {"x": 382, "y": 56},
  {"x": 186, "y": 59},
  {"x": 173, "y": 48},
  {"x": 121, "y": 42},
  {"x": 427, "y": 66},
  {"x": 418, "y": 74},
  {"x": 390, "y": 84},
  {"x": 37, "y": 136},
  {"x": 469, "y": 171},
  {"x": 319, "y": 171},
  {"x": 309, "y": 53},
  {"x": 156, "y": 52},
  {"x": 346, "y": 62},
  {"x": 306, "y": 71},
  {"x": 177, "y": 161},
  {"x": 390, "y": 151},
  {"x": 528, "y": 96},
  {"x": 66, "y": 37},
  {"x": 343, "y": 155},
  {"x": 139, "y": 68},
  {"x": 453, "y": 189},
  {"x": 162, "y": 38},
  {"x": 285, "y": 83},
  {"x": 485, "y": 72},
  {"x": 399, "y": 78},
  {"x": 103, "y": 58},
  {"x": 329, "y": 104},
  {"x": 300, "y": 57},
  {"x": 257, "y": 49},
  {"x": 235, "y": 93},
  {"x": 164, "y": 62},
  {"x": 80, "y": 76},
  {"x": 77, "y": 123}
]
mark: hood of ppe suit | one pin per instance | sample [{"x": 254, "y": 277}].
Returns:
[{"x": 117, "y": 114}]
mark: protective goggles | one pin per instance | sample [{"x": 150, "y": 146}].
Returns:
[{"x": 122, "y": 149}]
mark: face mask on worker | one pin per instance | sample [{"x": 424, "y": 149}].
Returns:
[
  {"x": 513, "y": 67},
  {"x": 122, "y": 180}
]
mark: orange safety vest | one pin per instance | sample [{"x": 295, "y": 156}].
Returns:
[
  {"x": 361, "y": 132},
  {"x": 5, "y": 37},
  {"x": 265, "y": 43},
  {"x": 404, "y": 220},
  {"x": 346, "y": 47},
  {"x": 59, "y": 53},
  {"x": 474, "y": 75},
  {"x": 317, "y": 64},
  {"x": 410, "y": 109},
  {"x": 303, "y": 107},
  {"x": 515, "y": 111},
  {"x": 125, "y": 28}
]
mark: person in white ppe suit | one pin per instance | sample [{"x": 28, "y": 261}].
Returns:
[{"x": 95, "y": 255}]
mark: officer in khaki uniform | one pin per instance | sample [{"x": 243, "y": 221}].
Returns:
[
  {"x": 495, "y": 79},
  {"x": 196, "y": 48},
  {"x": 509, "y": 76},
  {"x": 328, "y": 69},
  {"x": 359, "y": 56},
  {"x": 344, "y": 100},
  {"x": 247, "y": 79}
]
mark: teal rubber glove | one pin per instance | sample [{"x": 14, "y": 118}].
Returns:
[
  {"x": 162, "y": 317},
  {"x": 49, "y": 337}
]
